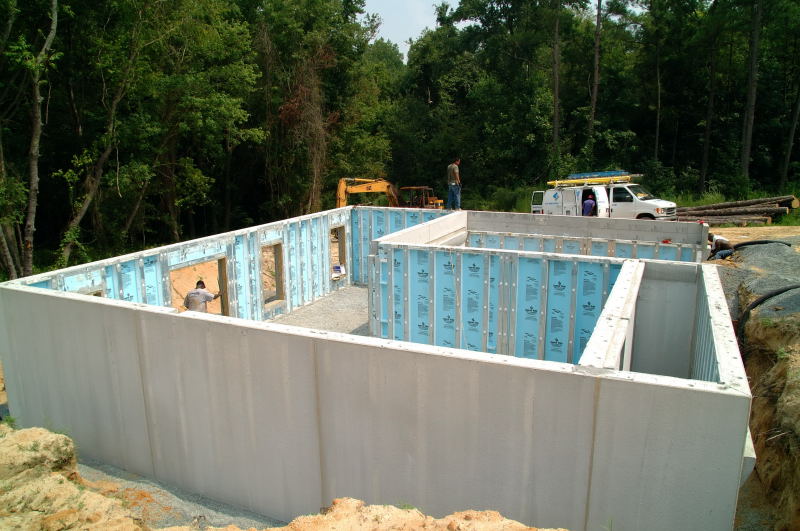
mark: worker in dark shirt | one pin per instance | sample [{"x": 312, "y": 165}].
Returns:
[
  {"x": 588, "y": 205},
  {"x": 720, "y": 247}
]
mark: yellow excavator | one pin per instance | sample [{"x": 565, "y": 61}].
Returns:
[{"x": 415, "y": 196}]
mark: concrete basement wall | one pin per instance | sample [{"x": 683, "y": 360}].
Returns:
[
  {"x": 680, "y": 252},
  {"x": 281, "y": 420},
  {"x": 144, "y": 277},
  {"x": 489, "y": 300},
  {"x": 370, "y": 223},
  {"x": 590, "y": 227}
]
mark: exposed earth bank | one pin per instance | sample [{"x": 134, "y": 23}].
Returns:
[
  {"x": 40, "y": 489},
  {"x": 770, "y": 344}
]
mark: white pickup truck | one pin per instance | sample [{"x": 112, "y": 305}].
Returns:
[{"x": 614, "y": 194}]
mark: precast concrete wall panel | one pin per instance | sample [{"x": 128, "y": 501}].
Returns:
[
  {"x": 532, "y": 305},
  {"x": 144, "y": 277},
  {"x": 585, "y": 246},
  {"x": 440, "y": 431},
  {"x": 668, "y": 450},
  {"x": 592, "y": 227},
  {"x": 233, "y": 413},
  {"x": 281, "y": 420},
  {"x": 71, "y": 364},
  {"x": 369, "y": 223},
  {"x": 666, "y": 304}
]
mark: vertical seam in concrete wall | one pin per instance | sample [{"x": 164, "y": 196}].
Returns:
[
  {"x": 595, "y": 402},
  {"x": 323, "y": 496},
  {"x": 145, "y": 396}
]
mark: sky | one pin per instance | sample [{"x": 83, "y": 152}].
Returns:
[{"x": 403, "y": 19}]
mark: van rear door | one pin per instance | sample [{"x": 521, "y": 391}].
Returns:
[
  {"x": 601, "y": 198},
  {"x": 571, "y": 204}
]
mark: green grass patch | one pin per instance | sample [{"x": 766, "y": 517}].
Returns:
[{"x": 792, "y": 219}]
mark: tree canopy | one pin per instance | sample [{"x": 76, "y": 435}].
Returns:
[{"x": 132, "y": 123}]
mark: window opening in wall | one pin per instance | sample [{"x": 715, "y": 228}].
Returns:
[
  {"x": 213, "y": 273},
  {"x": 272, "y": 281},
  {"x": 338, "y": 253}
]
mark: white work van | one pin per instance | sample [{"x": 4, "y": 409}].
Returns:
[{"x": 614, "y": 194}]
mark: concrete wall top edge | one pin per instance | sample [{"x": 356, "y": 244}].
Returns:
[
  {"x": 416, "y": 348},
  {"x": 225, "y": 236},
  {"x": 515, "y": 252},
  {"x": 428, "y": 230},
  {"x": 729, "y": 358},
  {"x": 680, "y": 232}
]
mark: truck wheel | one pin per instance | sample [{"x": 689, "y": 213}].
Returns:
[{"x": 645, "y": 216}]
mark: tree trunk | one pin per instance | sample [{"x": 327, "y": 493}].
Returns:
[
  {"x": 95, "y": 177},
  {"x": 752, "y": 84},
  {"x": 596, "y": 74},
  {"x": 757, "y": 210},
  {"x": 7, "y": 259},
  {"x": 135, "y": 210},
  {"x": 556, "y": 88},
  {"x": 729, "y": 220},
  {"x": 5, "y": 251},
  {"x": 790, "y": 142},
  {"x": 788, "y": 201},
  {"x": 712, "y": 91},
  {"x": 226, "y": 212},
  {"x": 36, "y": 135},
  {"x": 658, "y": 107}
]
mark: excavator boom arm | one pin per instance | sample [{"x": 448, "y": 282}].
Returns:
[{"x": 360, "y": 186}]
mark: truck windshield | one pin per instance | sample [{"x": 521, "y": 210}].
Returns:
[{"x": 640, "y": 192}]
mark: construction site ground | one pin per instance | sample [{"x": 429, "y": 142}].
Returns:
[{"x": 770, "y": 499}]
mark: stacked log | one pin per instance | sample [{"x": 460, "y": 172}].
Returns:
[{"x": 749, "y": 212}]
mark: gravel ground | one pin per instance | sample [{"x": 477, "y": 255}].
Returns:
[
  {"x": 759, "y": 269},
  {"x": 345, "y": 310},
  {"x": 163, "y": 506}
]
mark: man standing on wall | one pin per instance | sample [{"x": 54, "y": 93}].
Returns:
[
  {"x": 454, "y": 185},
  {"x": 197, "y": 299}
]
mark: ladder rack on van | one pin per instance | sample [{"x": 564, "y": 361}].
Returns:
[{"x": 592, "y": 180}]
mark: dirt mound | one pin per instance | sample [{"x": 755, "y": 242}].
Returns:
[
  {"x": 347, "y": 513},
  {"x": 40, "y": 489}
]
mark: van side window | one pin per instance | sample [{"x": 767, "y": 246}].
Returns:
[{"x": 622, "y": 195}]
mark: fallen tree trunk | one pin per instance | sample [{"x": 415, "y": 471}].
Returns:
[
  {"x": 788, "y": 201},
  {"x": 746, "y": 211},
  {"x": 715, "y": 221}
]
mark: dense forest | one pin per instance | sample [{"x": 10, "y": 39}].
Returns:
[{"x": 131, "y": 123}]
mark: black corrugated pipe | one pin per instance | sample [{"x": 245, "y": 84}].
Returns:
[
  {"x": 759, "y": 242},
  {"x": 746, "y": 313}
]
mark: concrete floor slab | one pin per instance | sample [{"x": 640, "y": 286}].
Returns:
[{"x": 344, "y": 310}]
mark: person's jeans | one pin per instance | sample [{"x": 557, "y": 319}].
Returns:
[
  {"x": 454, "y": 197},
  {"x": 722, "y": 254}
]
